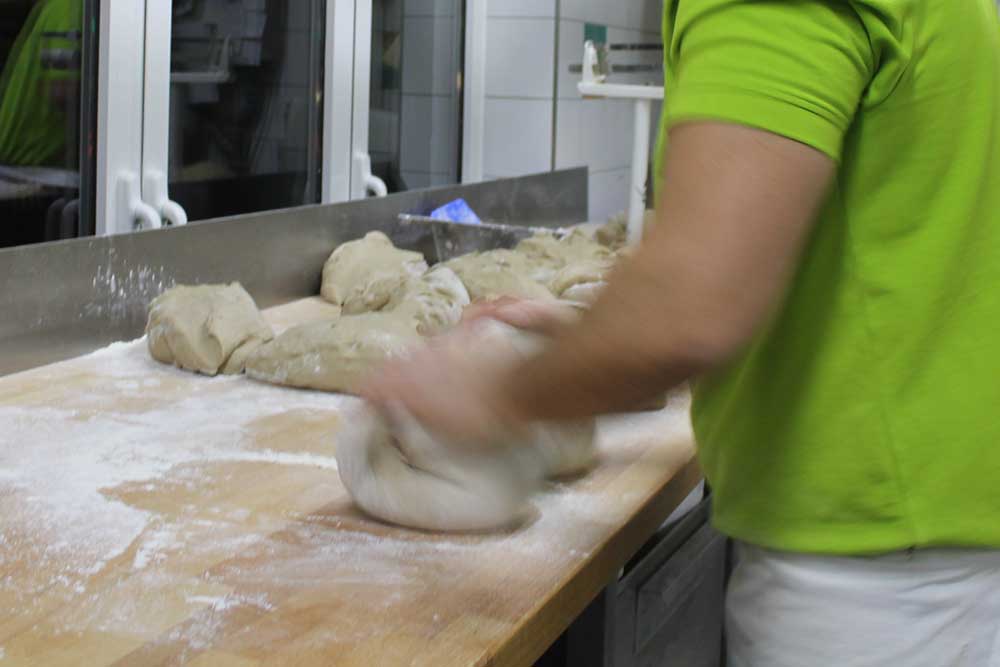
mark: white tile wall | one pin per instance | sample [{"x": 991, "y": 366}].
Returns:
[
  {"x": 519, "y": 57},
  {"x": 526, "y": 82},
  {"x": 520, "y": 78},
  {"x": 608, "y": 193},
  {"x": 521, "y": 8},
  {"x": 518, "y": 136},
  {"x": 598, "y": 133}
]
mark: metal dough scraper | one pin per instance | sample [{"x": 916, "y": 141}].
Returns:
[{"x": 452, "y": 239}]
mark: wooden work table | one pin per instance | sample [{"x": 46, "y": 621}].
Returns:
[{"x": 153, "y": 517}]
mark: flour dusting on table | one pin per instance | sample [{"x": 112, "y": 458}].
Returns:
[
  {"x": 127, "y": 498},
  {"x": 59, "y": 459}
]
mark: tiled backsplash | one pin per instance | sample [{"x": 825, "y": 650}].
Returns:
[{"x": 535, "y": 118}]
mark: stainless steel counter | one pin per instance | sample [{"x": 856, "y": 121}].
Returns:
[{"x": 62, "y": 299}]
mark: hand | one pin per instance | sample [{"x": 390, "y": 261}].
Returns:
[
  {"x": 537, "y": 316},
  {"x": 451, "y": 387}
]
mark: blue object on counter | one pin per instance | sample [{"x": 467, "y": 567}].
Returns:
[{"x": 456, "y": 211}]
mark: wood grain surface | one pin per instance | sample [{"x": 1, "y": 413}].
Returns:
[{"x": 154, "y": 517}]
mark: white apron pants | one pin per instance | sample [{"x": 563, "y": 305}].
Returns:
[{"x": 932, "y": 608}]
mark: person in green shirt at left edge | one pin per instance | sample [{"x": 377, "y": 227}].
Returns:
[
  {"x": 33, "y": 98},
  {"x": 825, "y": 265}
]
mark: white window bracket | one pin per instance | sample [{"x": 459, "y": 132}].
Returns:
[{"x": 156, "y": 116}]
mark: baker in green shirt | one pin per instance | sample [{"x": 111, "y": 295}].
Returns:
[{"x": 826, "y": 266}]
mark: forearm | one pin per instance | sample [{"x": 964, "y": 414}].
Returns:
[
  {"x": 622, "y": 352},
  {"x": 737, "y": 208}
]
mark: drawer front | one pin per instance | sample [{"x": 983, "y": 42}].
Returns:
[{"x": 679, "y": 609}]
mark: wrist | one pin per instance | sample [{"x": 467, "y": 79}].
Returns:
[{"x": 506, "y": 398}]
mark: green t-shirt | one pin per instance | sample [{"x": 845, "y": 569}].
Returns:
[{"x": 866, "y": 416}]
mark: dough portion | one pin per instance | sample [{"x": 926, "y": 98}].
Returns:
[
  {"x": 580, "y": 273},
  {"x": 498, "y": 273},
  {"x": 336, "y": 355},
  {"x": 573, "y": 248},
  {"x": 584, "y": 294},
  {"x": 567, "y": 447},
  {"x": 435, "y": 300},
  {"x": 361, "y": 276},
  {"x": 205, "y": 328},
  {"x": 397, "y": 471},
  {"x": 614, "y": 233}
]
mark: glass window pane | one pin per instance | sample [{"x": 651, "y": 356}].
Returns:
[
  {"x": 415, "y": 123},
  {"x": 42, "y": 52},
  {"x": 245, "y": 105}
]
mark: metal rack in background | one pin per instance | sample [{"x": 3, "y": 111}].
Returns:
[{"x": 595, "y": 71}]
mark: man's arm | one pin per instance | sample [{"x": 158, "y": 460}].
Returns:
[{"x": 735, "y": 209}]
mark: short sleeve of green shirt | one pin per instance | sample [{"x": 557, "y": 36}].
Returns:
[{"x": 797, "y": 68}]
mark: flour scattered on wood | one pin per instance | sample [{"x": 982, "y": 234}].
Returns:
[
  {"x": 64, "y": 453},
  {"x": 121, "y": 504}
]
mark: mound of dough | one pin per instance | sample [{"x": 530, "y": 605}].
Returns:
[
  {"x": 335, "y": 355},
  {"x": 205, "y": 328},
  {"x": 573, "y": 248},
  {"x": 614, "y": 232},
  {"x": 361, "y": 276},
  {"x": 398, "y": 472},
  {"x": 584, "y": 294},
  {"x": 566, "y": 448},
  {"x": 580, "y": 273},
  {"x": 435, "y": 300},
  {"x": 498, "y": 273}
]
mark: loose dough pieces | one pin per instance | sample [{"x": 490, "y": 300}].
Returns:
[
  {"x": 435, "y": 301},
  {"x": 205, "y": 328},
  {"x": 334, "y": 355},
  {"x": 497, "y": 273},
  {"x": 534, "y": 269},
  {"x": 337, "y": 355},
  {"x": 398, "y": 472},
  {"x": 362, "y": 275},
  {"x": 577, "y": 264}
]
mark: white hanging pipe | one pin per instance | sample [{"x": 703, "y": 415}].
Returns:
[
  {"x": 640, "y": 170},
  {"x": 474, "y": 92},
  {"x": 593, "y": 84}
]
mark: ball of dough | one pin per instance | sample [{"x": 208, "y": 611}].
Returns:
[
  {"x": 566, "y": 447},
  {"x": 335, "y": 355},
  {"x": 362, "y": 275},
  {"x": 205, "y": 328},
  {"x": 580, "y": 273},
  {"x": 614, "y": 233},
  {"x": 398, "y": 472},
  {"x": 498, "y": 273},
  {"x": 435, "y": 300}
]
